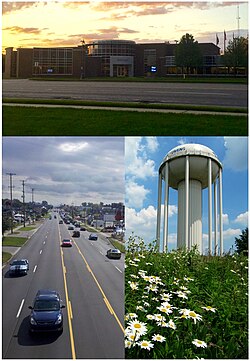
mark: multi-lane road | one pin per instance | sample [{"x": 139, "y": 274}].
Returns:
[
  {"x": 91, "y": 287},
  {"x": 229, "y": 95}
]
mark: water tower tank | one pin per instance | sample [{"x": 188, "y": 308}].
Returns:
[{"x": 189, "y": 169}]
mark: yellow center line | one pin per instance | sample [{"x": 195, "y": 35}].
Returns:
[
  {"x": 69, "y": 309},
  {"x": 101, "y": 290}
]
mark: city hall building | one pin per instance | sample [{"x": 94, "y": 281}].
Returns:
[{"x": 103, "y": 58}]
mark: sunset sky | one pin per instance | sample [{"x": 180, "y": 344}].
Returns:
[{"x": 63, "y": 23}]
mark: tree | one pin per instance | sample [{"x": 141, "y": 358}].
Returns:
[
  {"x": 188, "y": 54},
  {"x": 236, "y": 54},
  {"x": 241, "y": 243}
]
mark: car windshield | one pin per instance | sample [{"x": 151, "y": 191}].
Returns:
[
  {"x": 47, "y": 305},
  {"x": 18, "y": 263}
]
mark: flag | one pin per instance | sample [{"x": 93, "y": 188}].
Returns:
[
  {"x": 225, "y": 35},
  {"x": 217, "y": 40}
]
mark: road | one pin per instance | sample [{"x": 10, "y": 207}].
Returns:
[
  {"x": 230, "y": 95},
  {"x": 91, "y": 286}
]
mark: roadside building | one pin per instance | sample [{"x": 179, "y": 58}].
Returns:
[{"x": 103, "y": 58}]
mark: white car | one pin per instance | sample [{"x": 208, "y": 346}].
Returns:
[
  {"x": 114, "y": 253},
  {"x": 19, "y": 267}
]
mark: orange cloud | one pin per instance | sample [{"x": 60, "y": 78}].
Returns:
[{"x": 18, "y": 30}]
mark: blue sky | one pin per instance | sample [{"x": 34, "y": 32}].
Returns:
[{"x": 143, "y": 156}]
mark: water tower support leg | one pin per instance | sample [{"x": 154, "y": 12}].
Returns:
[
  {"x": 165, "y": 232},
  {"x": 221, "y": 221},
  {"x": 215, "y": 219},
  {"x": 209, "y": 206},
  {"x": 187, "y": 238},
  {"x": 158, "y": 229}
]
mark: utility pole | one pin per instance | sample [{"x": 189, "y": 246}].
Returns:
[
  {"x": 11, "y": 187},
  {"x": 32, "y": 200},
  {"x": 23, "y": 196},
  {"x": 238, "y": 20}
]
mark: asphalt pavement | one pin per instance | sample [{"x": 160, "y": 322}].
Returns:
[
  {"x": 212, "y": 94},
  {"x": 91, "y": 287}
]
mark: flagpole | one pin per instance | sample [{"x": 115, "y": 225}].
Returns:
[{"x": 225, "y": 38}]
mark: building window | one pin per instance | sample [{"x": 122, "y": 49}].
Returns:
[
  {"x": 52, "y": 61},
  {"x": 170, "y": 60},
  {"x": 149, "y": 59}
]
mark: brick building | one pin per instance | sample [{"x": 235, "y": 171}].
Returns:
[{"x": 103, "y": 58}]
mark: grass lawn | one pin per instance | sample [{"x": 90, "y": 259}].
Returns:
[
  {"x": 64, "y": 121},
  {"x": 27, "y": 228},
  {"x": 14, "y": 241},
  {"x": 118, "y": 245},
  {"x": 5, "y": 257}
]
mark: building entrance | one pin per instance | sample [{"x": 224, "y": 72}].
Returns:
[{"x": 120, "y": 70}]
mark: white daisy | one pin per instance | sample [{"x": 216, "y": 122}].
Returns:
[
  {"x": 171, "y": 324},
  {"x": 158, "y": 338},
  {"x": 199, "y": 343},
  {"x": 194, "y": 316},
  {"x": 139, "y": 327},
  {"x": 145, "y": 344},
  {"x": 209, "y": 308}
]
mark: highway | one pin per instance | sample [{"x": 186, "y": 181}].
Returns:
[
  {"x": 229, "y": 95},
  {"x": 91, "y": 287}
]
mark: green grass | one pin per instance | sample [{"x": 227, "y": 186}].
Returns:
[
  {"x": 186, "y": 281},
  {"x": 22, "y": 121},
  {"x": 27, "y": 228},
  {"x": 167, "y": 79},
  {"x": 6, "y": 257},
  {"x": 117, "y": 245},
  {"x": 14, "y": 241}
]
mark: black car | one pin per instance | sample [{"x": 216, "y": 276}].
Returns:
[
  {"x": 93, "y": 237},
  {"x": 82, "y": 229},
  {"x": 76, "y": 234},
  {"x": 46, "y": 312},
  {"x": 19, "y": 267},
  {"x": 61, "y": 221}
]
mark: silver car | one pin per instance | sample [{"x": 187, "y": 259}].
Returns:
[{"x": 19, "y": 267}]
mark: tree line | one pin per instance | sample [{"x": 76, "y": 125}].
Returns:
[{"x": 188, "y": 54}]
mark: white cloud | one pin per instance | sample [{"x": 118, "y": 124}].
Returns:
[
  {"x": 242, "y": 219},
  {"x": 135, "y": 194},
  {"x": 72, "y": 147},
  {"x": 152, "y": 143},
  {"x": 236, "y": 153},
  {"x": 230, "y": 232},
  {"x": 138, "y": 163},
  {"x": 143, "y": 223},
  {"x": 225, "y": 219}
]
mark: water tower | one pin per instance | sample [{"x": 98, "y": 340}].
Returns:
[{"x": 189, "y": 169}]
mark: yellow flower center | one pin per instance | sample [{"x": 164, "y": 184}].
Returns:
[
  {"x": 192, "y": 314},
  {"x": 137, "y": 325}
]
